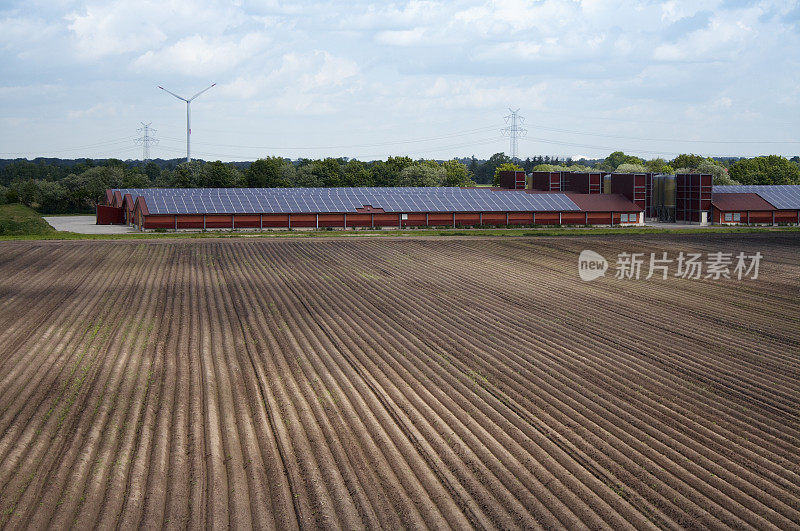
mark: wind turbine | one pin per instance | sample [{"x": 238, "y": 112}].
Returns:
[{"x": 188, "y": 117}]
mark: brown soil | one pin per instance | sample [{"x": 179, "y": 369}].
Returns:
[{"x": 396, "y": 383}]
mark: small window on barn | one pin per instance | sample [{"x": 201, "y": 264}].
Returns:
[
  {"x": 728, "y": 217},
  {"x": 737, "y": 217},
  {"x": 623, "y": 218}
]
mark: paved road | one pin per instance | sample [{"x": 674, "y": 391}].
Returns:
[{"x": 85, "y": 225}]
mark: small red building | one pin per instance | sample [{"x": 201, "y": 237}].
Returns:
[
  {"x": 741, "y": 208},
  {"x": 608, "y": 209}
]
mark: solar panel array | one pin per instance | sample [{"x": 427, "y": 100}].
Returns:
[
  {"x": 781, "y": 196},
  {"x": 338, "y": 200}
]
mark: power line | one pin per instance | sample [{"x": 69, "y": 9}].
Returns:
[
  {"x": 106, "y": 143},
  {"x": 514, "y": 130},
  {"x": 350, "y": 146},
  {"x": 604, "y": 135},
  {"x": 145, "y": 140}
]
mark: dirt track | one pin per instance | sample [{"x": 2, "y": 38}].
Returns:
[{"x": 403, "y": 383}]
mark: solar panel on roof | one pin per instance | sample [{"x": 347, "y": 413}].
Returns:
[
  {"x": 781, "y": 196},
  {"x": 284, "y": 200}
]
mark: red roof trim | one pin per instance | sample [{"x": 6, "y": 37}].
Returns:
[{"x": 141, "y": 204}]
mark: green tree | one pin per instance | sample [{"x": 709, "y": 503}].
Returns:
[
  {"x": 719, "y": 174},
  {"x": 473, "y": 165},
  {"x": 627, "y": 167},
  {"x": 188, "y": 175},
  {"x": 687, "y": 161},
  {"x": 52, "y": 198},
  {"x": 772, "y": 169},
  {"x": 506, "y": 166},
  {"x": 658, "y": 166},
  {"x": 356, "y": 173},
  {"x": 218, "y": 175},
  {"x": 27, "y": 192},
  {"x": 271, "y": 172},
  {"x": 388, "y": 173},
  {"x": 486, "y": 172},
  {"x": 164, "y": 179},
  {"x": 579, "y": 168},
  {"x": 613, "y": 161},
  {"x": 329, "y": 171},
  {"x": 21, "y": 170},
  {"x": 424, "y": 173},
  {"x": 135, "y": 180},
  {"x": 152, "y": 171},
  {"x": 456, "y": 174},
  {"x": 12, "y": 196},
  {"x": 89, "y": 188},
  {"x": 306, "y": 178}
]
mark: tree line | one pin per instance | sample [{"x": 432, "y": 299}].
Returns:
[{"x": 54, "y": 186}]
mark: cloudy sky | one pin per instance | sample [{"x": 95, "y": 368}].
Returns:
[{"x": 420, "y": 78}]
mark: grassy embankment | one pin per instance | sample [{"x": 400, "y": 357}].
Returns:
[{"x": 17, "y": 220}]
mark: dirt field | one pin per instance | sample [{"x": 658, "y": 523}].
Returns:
[{"x": 396, "y": 383}]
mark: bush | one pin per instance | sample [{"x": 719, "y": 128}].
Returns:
[
  {"x": 772, "y": 169},
  {"x": 631, "y": 168}
]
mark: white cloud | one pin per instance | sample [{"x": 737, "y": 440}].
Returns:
[
  {"x": 117, "y": 27},
  {"x": 37, "y": 89},
  {"x": 301, "y": 82},
  {"x": 401, "y": 37},
  {"x": 112, "y": 29},
  {"x": 448, "y": 60},
  {"x": 721, "y": 40},
  {"x": 198, "y": 55},
  {"x": 465, "y": 93},
  {"x": 99, "y": 109},
  {"x": 27, "y": 35}
]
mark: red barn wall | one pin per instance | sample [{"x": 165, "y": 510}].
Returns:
[{"x": 108, "y": 215}]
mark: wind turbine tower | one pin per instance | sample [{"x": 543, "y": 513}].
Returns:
[{"x": 188, "y": 118}]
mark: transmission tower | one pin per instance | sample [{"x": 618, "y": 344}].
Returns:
[
  {"x": 146, "y": 140},
  {"x": 514, "y": 130}
]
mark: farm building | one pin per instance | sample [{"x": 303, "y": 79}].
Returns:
[
  {"x": 685, "y": 198},
  {"x": 565, "y": 181},
  {"x": 756, "y": 204},
  {"x": 260, "y": 208},
  {"x": 630, "y": 198}
]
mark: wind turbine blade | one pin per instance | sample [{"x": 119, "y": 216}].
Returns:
[
  {"x": 165, "y": 90},
  {"x": 205, "y": 89}
]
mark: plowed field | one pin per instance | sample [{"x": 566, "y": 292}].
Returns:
[{"x": 396, "y": 383}]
